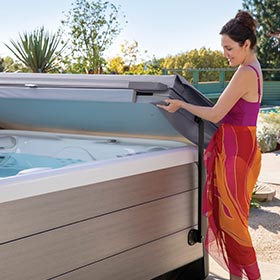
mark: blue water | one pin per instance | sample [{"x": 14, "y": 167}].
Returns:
[
  {"x": 269, "y": 110},
  {"x": 12, "y": 163}
]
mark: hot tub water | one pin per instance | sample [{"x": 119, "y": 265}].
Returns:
[{"x": 23, "y": 152}]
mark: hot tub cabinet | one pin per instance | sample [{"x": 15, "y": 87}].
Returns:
[{"x": 127, "y": 195}]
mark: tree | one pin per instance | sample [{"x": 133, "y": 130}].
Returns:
[
  {"x": 92, "y": 26},
  {"x": 115, "y": 65},
  {"x": 9, "y": 65},
  {"x": 1, "y": 64},
  {"x": 130, "y": 53},
  {"x": 131, "y": 62},
  {"x": 151, "y": 67},
  {"x": 37, "y": 50},
  {"x": 195, "y": 59},
  {"x": 267, "y": 14}
]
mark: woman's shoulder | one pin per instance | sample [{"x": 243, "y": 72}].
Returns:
[
  {"x": 243, "y": 73},
  {"x": 249, "y": 68},
  {"x": 248, "y": 71}
]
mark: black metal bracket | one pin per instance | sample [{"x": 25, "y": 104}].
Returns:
[{"x": 195, "y": 235}]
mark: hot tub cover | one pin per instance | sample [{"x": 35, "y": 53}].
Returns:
[{"x": 100, "y": 103}]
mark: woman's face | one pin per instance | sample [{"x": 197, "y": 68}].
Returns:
[{"x": 232, "y": 51}]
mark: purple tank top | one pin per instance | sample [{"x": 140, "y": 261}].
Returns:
[{"x": 244, "y": 113}]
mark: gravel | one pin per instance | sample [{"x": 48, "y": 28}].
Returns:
[
  {"x": 264, "y": 227},
  {"x": 264, "y": 222}
]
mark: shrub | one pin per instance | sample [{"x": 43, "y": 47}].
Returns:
[
  {"x": 269, "y": 136},
  {"x": 267, "y": 139}
]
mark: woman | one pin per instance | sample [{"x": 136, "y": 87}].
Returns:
[{"x": 232, "y": 158}]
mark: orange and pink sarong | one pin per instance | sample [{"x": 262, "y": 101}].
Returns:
[{"x": 232, "y": 160}]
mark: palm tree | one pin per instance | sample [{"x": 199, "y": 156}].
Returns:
[{"x": 37, "y": 50}]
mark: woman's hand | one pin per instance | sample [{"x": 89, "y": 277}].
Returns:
[{"x": 172, "y": 105}]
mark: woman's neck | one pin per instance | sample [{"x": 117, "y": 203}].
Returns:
[{"x": 250, "y": 59}]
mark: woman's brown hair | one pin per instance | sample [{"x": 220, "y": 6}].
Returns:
[{"x": 241, "y": 28}]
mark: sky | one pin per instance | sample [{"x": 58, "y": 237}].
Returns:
[{"x": 161, "y": 27}]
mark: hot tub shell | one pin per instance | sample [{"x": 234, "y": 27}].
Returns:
[{"x": 123, "y": 217}]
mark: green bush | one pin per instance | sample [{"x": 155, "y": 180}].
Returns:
[
  {"x": 269, "y": 136},
  {"x": 267, "y": 139}
]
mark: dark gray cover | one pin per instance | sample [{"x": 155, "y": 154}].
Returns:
[
  {"x": 183, "y": 121},
  {"x": 100, "y": 103}
]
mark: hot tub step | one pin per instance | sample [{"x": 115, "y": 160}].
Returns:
[{"x": 263, "y": 192}]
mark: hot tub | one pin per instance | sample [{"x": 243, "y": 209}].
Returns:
[
  {"x": 96, "y": 182},
  {"x": 23, "y": 152}
]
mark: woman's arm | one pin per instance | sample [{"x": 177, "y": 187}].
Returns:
[{"x": 242, "y": 82}]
